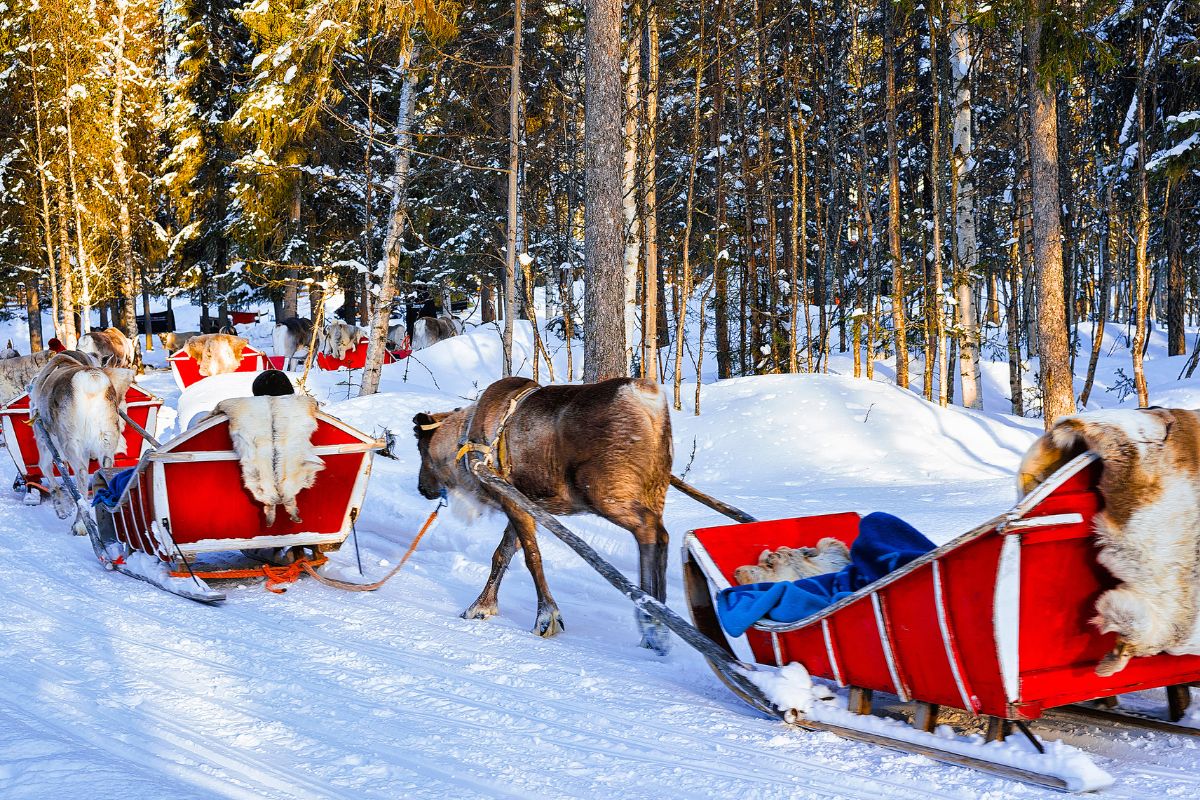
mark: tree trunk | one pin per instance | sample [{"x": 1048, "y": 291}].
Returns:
[
  {"x": 630, "y": 183},
  {"x": 1142, "y": 236},
  {"x": 85, "y": 287},
  {"x": 291, "y": 286},
  {"x": 685, "y": 277},
  {"x": 967, "y": 260},
  {"x": 604, "y": 333},
  {"x": 1176, "y": 274},
  {"x": 649, "y": 204},
  {"x": 935, "y": 303},
  {"x": 398, "y": 220},
  {"x": 126, "y": 288},
  {"x": 899, "y": 324},
  {"x": 1054, "y": 356},
  {"x": 47, "y": 226},
  {"x": 66, "y": 303},
  {"x": 514, "y": 157}
]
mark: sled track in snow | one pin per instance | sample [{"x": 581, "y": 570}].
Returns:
[{"x": 357, "y": 667}]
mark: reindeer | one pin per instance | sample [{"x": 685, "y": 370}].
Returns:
[
  {"x": 77, "y": 404},
  {"x": 174, "y": 340},
  {"x": 339, "y": 338},
  {"x": 601, "y": 448},
  {"x": 428, "y": 331},
  {"x": 110, "y": 347},
  {"x": 290, "y": 335}
]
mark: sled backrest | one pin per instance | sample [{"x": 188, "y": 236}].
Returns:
[{"x": 198, "y": 490}]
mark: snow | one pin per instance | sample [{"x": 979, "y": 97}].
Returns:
[{"x": 115, "y": 689}]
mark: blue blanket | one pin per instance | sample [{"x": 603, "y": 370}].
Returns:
[
  {"x": 110, "y": 495},
  {"x": 884, "y": 543}
]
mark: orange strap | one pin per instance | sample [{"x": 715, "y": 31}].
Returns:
[
  {"x": 286, "y": 573},
  {"x": 349, "y": 586},
  {"x": 289, "y": 573}
]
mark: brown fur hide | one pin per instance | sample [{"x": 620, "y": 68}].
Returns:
[
  {"x": 110, "y": 347},
  {"x": 272, "y": 437},
  {"x": 216, "y": 353},
  {"x": 1149, "y": 527}
]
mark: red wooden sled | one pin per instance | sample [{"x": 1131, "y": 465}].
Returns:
[
  {"x": 995, "y": 622},
  {"x": 187, "y": 371},
  {"x": 142, "y": 408},
  {"x": 357, "y": 358},
  {"x": 187, "y": 499}
]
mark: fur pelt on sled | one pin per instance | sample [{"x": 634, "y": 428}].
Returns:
[
  {"x": 216, "y": 353},
  {"x": 272, "y": 437},
  {"x": 1149, "y": 528}
]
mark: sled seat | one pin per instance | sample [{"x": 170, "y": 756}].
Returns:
[
  {"x": 995, "y": 622},
  {"x": 187, "y": 497}
]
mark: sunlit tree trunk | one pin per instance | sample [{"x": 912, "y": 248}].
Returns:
[
  {"x": 397, "y": 223},
  {"x": 1053, "y": 351}
]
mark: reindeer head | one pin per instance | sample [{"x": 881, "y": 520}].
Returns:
[{"x": 437, "y": 442}]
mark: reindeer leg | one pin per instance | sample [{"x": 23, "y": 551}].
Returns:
[
  {"x": 652, "y": 541},
  {"x": 549, "y": 619},
  {"x": 487, "y": 604}
]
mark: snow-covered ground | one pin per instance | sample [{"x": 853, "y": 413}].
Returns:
[{"x": 113, "y": 689}]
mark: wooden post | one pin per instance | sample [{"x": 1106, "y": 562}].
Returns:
[
  {"x": 859, "y": 701},
  {"x": 925, "y": 718},
  {"x": 998, "y": 729},
  {"x": 1179, "y": 697}
]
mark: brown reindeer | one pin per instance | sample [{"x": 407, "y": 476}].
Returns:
[{"x": 600, "y": 448}]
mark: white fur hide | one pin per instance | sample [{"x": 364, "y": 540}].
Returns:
[
  {"x": 272, "y": 438},
  {"x": 78, "y": 405}
]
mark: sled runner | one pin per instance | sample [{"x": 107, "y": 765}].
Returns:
[
  {"x": 995, "y": 623},
  {"x": 357, "y": 358},
  {"x": 187, "y": 499},
  {"x": 142, "y": 408},
  {"x": 187, "y": 371}
]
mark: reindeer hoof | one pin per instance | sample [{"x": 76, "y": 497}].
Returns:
[
  {"x": 655, "y": 635},
  {"x": 549, "y": 623},
  {"x": 478, "y": 610},
  {"x": 62, "y": 505}
]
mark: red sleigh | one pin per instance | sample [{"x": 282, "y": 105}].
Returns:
[
  {"x": 187, "y": 499},
  {"x": 142, "y": 408},
  {"x": 187, "y": 371},
  {"x": 995, "y": 622},
  {"x": 357, "y": 357}
]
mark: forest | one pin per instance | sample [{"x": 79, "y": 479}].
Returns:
[{"x": 755, "y": 182}]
